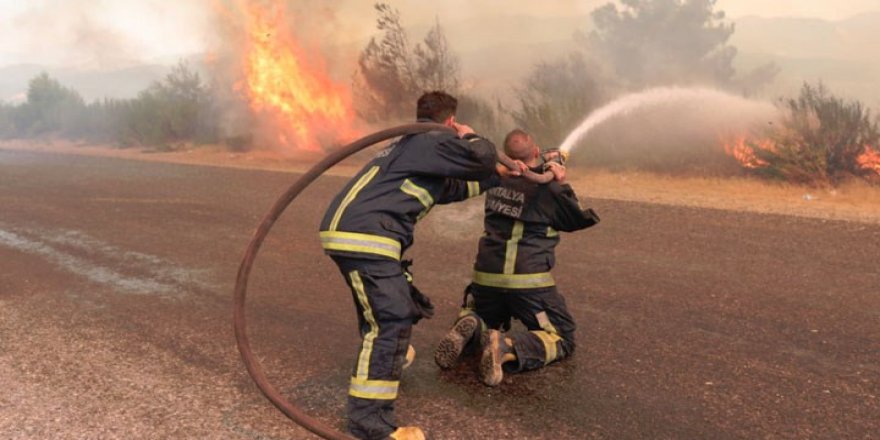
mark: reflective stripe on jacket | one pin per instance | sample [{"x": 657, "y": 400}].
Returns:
[
  {"x": 374, "y": 215},
  {"x": 522, "y": 220}
]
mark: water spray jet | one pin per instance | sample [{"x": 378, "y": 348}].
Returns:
[{"x": 647, "y": 98}]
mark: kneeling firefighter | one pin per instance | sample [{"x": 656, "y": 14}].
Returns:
[{"x": 512, "y": 276}]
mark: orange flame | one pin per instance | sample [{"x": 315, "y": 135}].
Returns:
[
  {"x": 292, "y": 90},
  {"x": 869, "y": 160},
  {"x": 741, "y": 148}
]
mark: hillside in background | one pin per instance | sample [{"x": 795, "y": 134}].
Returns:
[
  {"x": 91, "y": 84},
  {"x": 844, "y": 54}
]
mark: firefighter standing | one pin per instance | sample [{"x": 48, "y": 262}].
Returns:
[
  {"x": 512, "y": 273},
  {"x": 367, "y": 228}
]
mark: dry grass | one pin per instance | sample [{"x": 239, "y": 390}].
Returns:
[{"x": 855, "y": 201}]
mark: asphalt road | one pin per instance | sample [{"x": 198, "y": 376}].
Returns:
[{"x": 115, "y": 316}]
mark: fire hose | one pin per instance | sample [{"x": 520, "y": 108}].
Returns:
[{"x": 292, "y": 411}]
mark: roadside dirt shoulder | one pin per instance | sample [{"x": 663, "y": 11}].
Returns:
[{"x": 854, "y": 201}]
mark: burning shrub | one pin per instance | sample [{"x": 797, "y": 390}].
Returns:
[{"x": 822, "y": 140}]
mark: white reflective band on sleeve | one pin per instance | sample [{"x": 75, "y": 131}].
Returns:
[
  {"x": 418, "y": 192},
  {"x": 423, "y": 196}
]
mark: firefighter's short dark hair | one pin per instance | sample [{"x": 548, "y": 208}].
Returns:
[
  {"x": 436, "y": 106},
  {"x": 517, "y": 144}
]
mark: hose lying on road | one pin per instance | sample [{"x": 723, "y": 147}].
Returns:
[{"x": 244, "y": 347}]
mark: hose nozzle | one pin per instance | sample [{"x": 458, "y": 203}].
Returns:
[{"x": 554, "y": 155}]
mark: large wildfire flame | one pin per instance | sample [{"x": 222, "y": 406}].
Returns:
[
  {"x": 287, "y": 87},
  {"x": 742, "y": 148}
]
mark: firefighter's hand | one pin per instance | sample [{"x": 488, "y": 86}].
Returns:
[
  {"x": 557, "y": 170},
  {"x": 503, "y": 171},
  {"x": 462, "y": 129}
]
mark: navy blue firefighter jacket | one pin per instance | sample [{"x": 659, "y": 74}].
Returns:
[
  {"x": 375, "y": 214},
  {"x": 522, "y": 224}
]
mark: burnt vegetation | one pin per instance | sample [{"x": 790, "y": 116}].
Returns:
[{"x": 632, "y": 45}]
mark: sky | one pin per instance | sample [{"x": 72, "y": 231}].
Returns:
[
  {"x": 99, "y": 33},
  {"x": 112, "y": 33}
]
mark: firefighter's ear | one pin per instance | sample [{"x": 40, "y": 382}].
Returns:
[{"x": 450, "y": 121}]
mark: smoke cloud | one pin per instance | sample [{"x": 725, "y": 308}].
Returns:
[{"x": 70, "y": 34}]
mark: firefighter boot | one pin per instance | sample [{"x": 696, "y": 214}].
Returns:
[
  {"x": 407, "y": 433},
  {"x": 496, "y": 351},
  {"x": 451, "y": 346},
  {"x": 410, "y": 357}
]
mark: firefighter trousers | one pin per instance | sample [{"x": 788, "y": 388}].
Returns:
[
  {"x": 385, "y": 314},
  {"x": 550, "y": 327}
]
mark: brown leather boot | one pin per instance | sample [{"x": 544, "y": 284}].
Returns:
[
  {"x": 450, "y": 347},
  {"x": 410, "y": 357},
  {"x": 496, "y": 351},
  {"x": 408, "y": 433}
]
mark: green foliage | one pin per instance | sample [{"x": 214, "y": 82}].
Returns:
[
  {"x": 820, "y": 139},
  {"x": 50, "y": 108},
  {"x": 555, "y": 98},
  {"x": 652, "y": 42},
  {"x": 390, "y": 76},
  {"x": 175, "y": 110},
  {"x": 662, "y": 42},
  {"x": 168, "y": 112}
]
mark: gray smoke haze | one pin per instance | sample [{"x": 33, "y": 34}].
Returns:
[
  {"x": 98, "y": 34},
  {"x": 96, "y": 44}
]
